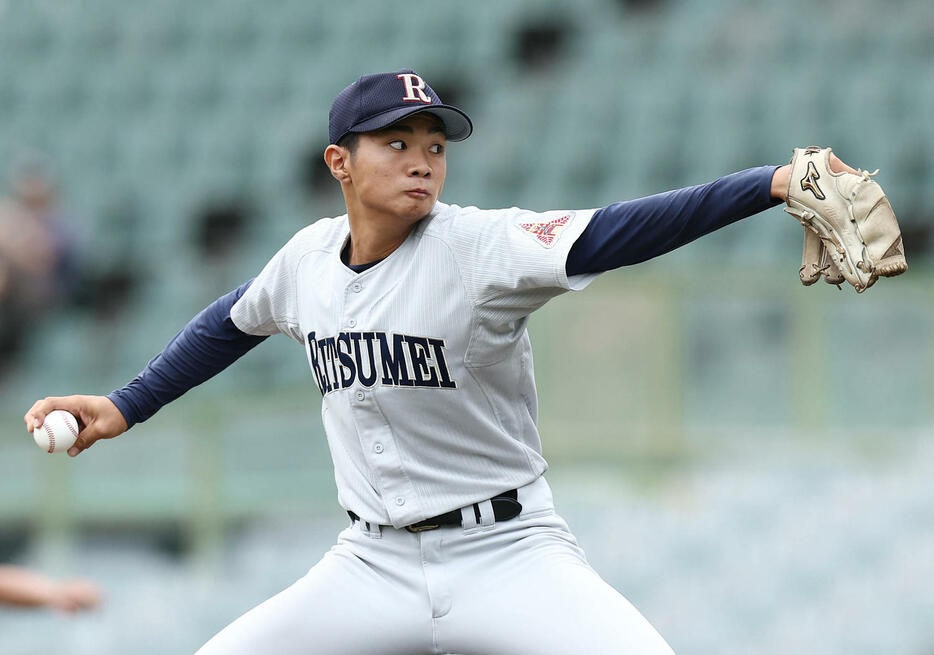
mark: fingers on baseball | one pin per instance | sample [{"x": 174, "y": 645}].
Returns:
[
  {"x": 37, "y": 413},
  {"x": 35, "y": 417},
  {"x": 87, "y": 436},
  {"x": 86, "y": 439},
  {"x": 97, "y": 417}
]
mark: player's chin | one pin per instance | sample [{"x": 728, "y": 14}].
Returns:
[{"x": 416, "y": 206}]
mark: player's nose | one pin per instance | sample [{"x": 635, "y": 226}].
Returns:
[{"x": 419, "y": 166}]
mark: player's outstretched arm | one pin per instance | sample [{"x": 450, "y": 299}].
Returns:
[
  {"x": 205, "y": 347},
  {"x": 634, "y": 231},
  {"x": 98, "y": 418}
]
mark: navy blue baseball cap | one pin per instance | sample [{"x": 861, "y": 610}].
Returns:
[{"x": 376, "y": 101}]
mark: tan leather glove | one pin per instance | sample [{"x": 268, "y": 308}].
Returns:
[
  {"x": 816, "y": 262},
  {"x": 851, "y": 218}
]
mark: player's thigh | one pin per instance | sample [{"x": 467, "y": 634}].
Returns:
[
  {"x": 345, "y": 605},
  {"x": 540, "y": 597}
]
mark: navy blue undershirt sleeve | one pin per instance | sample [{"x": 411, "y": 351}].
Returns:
[
  {"x": 633, "y": 231},
  {"x": 205, "y": 347}
]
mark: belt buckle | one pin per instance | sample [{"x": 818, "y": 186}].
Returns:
[{"x": 415, "y": 529}]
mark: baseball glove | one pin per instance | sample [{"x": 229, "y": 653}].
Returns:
[
  {"x": 857, "y": 235},
  {"x": 816, "y": 262}
]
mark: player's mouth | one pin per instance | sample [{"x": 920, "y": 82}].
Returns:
[{"x": 420, "y": 194}]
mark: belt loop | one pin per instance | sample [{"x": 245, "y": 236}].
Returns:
[
  {"x": 487, "y": 518},
  {"x": 371, "y": 530},
  {"x": 468, "y": 519}
]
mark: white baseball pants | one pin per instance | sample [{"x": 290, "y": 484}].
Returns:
[{"x": 518, "y": 587}]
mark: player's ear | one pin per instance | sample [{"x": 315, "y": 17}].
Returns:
[{"x": 337, "y": 159}]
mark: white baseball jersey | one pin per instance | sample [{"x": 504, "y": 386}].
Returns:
[{"x": 423, "y": 360}]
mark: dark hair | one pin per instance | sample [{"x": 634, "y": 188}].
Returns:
[{"x": 350, "y": 141}]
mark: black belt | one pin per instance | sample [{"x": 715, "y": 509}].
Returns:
[{"x": 505, "y": 506}]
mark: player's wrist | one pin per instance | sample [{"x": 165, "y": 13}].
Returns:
[{"x": 780, "y": 179}]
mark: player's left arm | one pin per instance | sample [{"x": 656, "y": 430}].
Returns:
[{"x": 634, "y": 231}]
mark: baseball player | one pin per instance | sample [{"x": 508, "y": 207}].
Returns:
[{"x": 412, "y": 314}]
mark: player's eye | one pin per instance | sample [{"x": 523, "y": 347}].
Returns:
[
  {"x": 436, "y": 149},
  {"x": 397, "y": 145}
]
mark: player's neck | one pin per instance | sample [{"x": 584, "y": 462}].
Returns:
[{"x": 372, "y": 240}]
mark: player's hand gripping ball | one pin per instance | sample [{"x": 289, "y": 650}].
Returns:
[{"x": 57, "y": 432}]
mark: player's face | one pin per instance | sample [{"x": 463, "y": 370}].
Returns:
[{"x": 400, "y": 171}]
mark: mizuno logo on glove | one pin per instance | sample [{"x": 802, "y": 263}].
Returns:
[{"x": 809, "y": 182}]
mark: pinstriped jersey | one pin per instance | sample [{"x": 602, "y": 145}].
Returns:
[{"x": 423, "y": 360}]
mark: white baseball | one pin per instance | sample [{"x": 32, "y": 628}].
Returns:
[{"x": 57, "y": 432}]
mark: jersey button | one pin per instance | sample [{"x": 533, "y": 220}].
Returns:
[
  {"x": 357, "y": 287},
  {"x": 400, "y": 501},
  {"x": 378, "y": 448},
  {"x": 359, "y": 395},
  {"x": 352, "y": 323}
]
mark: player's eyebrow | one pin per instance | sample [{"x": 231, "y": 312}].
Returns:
[{"x": 408, "y": 129}]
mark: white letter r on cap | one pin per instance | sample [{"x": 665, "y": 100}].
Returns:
[{"x": 414, "y": 85}]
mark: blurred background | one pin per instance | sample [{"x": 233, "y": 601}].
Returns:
[{"x": 747, "y": 460}]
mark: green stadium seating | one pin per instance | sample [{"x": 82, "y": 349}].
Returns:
[{"x": 165, "y": 106}]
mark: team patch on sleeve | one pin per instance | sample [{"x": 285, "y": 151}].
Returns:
[{"x": 547, "y": 232}]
